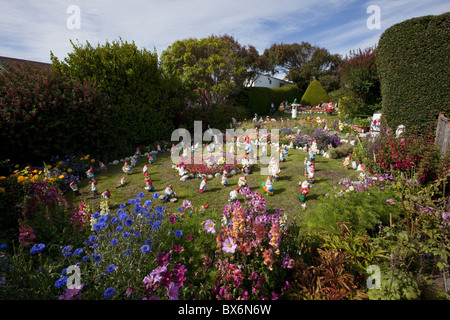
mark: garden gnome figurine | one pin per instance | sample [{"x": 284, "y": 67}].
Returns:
[
  {"x": 150, "y": 158},
  {"x": 94, "y": 187},
  {"x": 90, "y": 174},
  {"x": 158, "y": 148},
  {"x": 106, "y": 195},
  {"x": 224, "y": 178},
  {"x": 202, "y": 185},
  {"x": 102, "y": 166},
  {"x": 268, "y": 186},
  {"x": 169, "y": 194},
  {"x": 282, "y": 158},
  {"x": 304, "y": 190},
  {"x": 149, "y": 185},
  {"x": 242, "y": 181},
  {"x": 74, "y": 187},
  {"x": 121, "y": 182},
  {"x": 294, "y": 111},
  {"x": 234, "y": 195},
  {"x": 145, "y": 170},
  {"x": 311, "y": 175},
  {"x": 347, "y": 161},
  {"x": 133, "y": 162},
  {"x": 126, "y": 168}
]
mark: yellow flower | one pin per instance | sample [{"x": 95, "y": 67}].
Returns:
[
  {"x": 69, "y": 170},
  {"x": 49, "y": 166},
  {"x": 2, "y": 177},
  {"x": 40, "y": 171},
  {"x": 2, "y": 190},
  {"x": 16, "y": 166},
  {"x": 61, "y": 176},
  {"x": 92, "y": 160}
]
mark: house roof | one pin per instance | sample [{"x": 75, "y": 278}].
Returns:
[{"x": 12, "y": 61}]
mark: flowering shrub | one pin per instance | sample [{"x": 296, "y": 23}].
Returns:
[{"x": 251, "y": 254}]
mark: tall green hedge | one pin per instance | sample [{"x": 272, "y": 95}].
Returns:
[
  {"x": 414, "y": 68},
  {"x": 314, "y": 94},
  {"x": 258, "y": 99}
]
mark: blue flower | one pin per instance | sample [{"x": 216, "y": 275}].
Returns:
[
  {"x": 141, "y": 195},
  {"x": 178, "y": 233},
  {"x": 37, "y": 248},
  {"x": 61, "y": 282},
  {"x": 3, "y": 247},
  {"x": 122, "y": 205},
  {"x": 119, "y": 228},
  {"x": 145, "y": 248},
  {"x": 66, "y": 249},
  {"x": 129, "y": 222},
  {"x": 99, "y": 226},
  {"x": 127, "y": 252},
  {"x": 97, "y": 257},
  {"x": 131, "y": 201},
  {"x": 155, "y": 195},
  {"x": 114, "y": 220},
  {"x": 103, "y": 219},
  {"x": 96, "y": 215},
  {"x": 110, "y": 268},
  {"x": 148, "y": 203},
  {"x": 78, "y": 251},
  {"x": 125, "y": 234},
  {"x": 180, "y": 209},
  {"x": 92, "y": 238},
  {"x": 68, "y": 254},
  {"x": 156, "y": 225},
  {"x": 85, "y": 258},
  {"x": 109, "y": 292},
  {"x": 148, "y": 241},
  {"x": 114, "y": 242},
  {"x": 95, "y": 246}
]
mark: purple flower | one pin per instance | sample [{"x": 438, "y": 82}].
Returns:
[
  {"x": 228, "y": 245},
  {"x": 390, "y": 201},
  {"x": 209, "y": 226},
  {"x": 172, "y": 291}
]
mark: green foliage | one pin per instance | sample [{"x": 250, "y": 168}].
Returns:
[
  {"x": 258, "y": 99},
  {"x": 314, "y": 94},
  {"x": 131, "y": 80},
  {"x": 44, "y": 113},
  {"x": 412, "y": 61}
]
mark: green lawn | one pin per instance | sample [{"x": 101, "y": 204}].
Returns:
[{"x": 286, "y": 190}]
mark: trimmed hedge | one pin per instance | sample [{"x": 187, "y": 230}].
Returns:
[
  {"x": 413, "y": 64},
  {"x": 258, "y": 99},
  {"x": 314, "y": 94}
]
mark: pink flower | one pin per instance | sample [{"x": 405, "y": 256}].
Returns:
[
  {"x": 209, "y": 226},
  {"x": 228, "y": 245},
  {"x": 172, "y": 291}
]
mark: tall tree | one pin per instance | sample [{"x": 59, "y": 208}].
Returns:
[
  {"x": 213, "y": 68},
  {"x": 303, "y": 63}
]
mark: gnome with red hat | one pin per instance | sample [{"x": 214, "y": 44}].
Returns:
[
  {"x": 74, "y": 187},
  {"x": 202, "y": 186},
  {"x": 94, "y": 187},
  {"x": 149, "y": 184},
  {"x": 90, "y": 174}
]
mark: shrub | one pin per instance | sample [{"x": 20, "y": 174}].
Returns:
[
  {"x": 43, "y": 113},
  {"x": 258, "y": 99},
  {"x": 314, "y": 94},
  {"x": 412, "y": 61}
]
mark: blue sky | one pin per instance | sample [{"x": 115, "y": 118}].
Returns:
[{"x": 30, "y": 29}]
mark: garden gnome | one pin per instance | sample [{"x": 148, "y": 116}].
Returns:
[
  {"x": 149, "y": 185},
  {"x": 126, "y": 168},
  {"x": 150, "y": 158},
  {"x": 106, "y": 195},
  {"x": 90, "y": 174},
  {"x": 282, "y": 158},
  {"x": 169, "y": 194},
  {"x": 294, "y": 111},
  {"x": 304, "y": 190},
  {"x": 102, "y": 166},
  {"x": 264, "y": 150},
  {"x": 145, "y": 170},
  {"x": 94, "y": 187},
  {"x": 121, "y": 182},
  {"x": 74, "y": 187},
  {"x": 268, "y": 186},
  {"x": 133, "y": 162},
  {"x": 202, "y": 185},
  {"x": 158, "y": 148},
  {"x": 312, "y": 155},
  {"x": 347, "y": 161},
  {"x": 137, "y": 154},
  {"x": 311, "y": 175},
  {"x": 242, "y": 181},
  {"x": 224, "y": 178},
  {"x": 234, "y": 195}
]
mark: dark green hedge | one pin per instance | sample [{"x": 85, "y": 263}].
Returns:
[
  {"x": 258, "y": 99},
  {"x": 414, "y": 68}
]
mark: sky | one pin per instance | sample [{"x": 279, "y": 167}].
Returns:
[{"x": 30, "y": 29}]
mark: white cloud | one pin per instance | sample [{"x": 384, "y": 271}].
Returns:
[{"x": 31, "y": 29}]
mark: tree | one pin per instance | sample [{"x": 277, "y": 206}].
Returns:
[
  {"x": 131, "y": 79},
  {"x": 213, "y": 68},
  {"x": 360, "y": 82},
  {"x": 303, "y": 63}
]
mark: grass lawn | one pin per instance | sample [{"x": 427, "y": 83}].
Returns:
[{"x": 286, "y": 189}]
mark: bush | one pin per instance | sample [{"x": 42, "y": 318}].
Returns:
[
  {"x": 43, "y": 113},
  {"x": 258, "y": 99},
  {"x": 412, "y": 61},
  {"x": 314, "y": 94}
]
